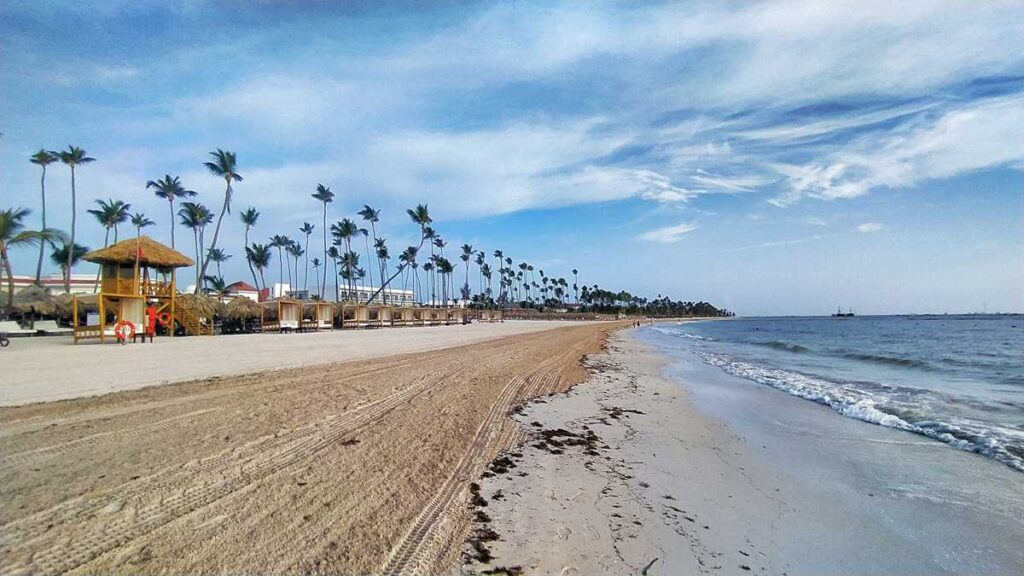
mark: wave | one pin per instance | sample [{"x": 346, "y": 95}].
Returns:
[
  {"x": 889, "y": 360},
  {"x": 671, "y": 332},
  {"x": 883, "y": 408},
  {"x": 787, "y": 346}
]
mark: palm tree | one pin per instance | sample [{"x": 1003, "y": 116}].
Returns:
[
  {"x": 42, "y": 159},
  {"x": 169, "y": 188},
  {"x": 445, "y": 269},
  {"x": 485, "y": 270},
  {"x": 324, "y": 194},
  {"x": 344, "y": 230},
  {"x": 217, "y": 284},
  {"x": 316, "y": 268},
  {"x": 59, "y": 256},
  {"x": 372, "y": 216},
  {"x": 109, "y": 215},
  {"x": 14, "y": 235},
  {"x": 575, "y": 285},
  {"x": 428, "y": 267},
  {"x": 259, "y": 256},
  {"x": 306, "y": 229},
  {"x": 479, "y": 259},
  {"x": 498, "y": 255},
  {"x": 249, "y": 218},
  {"x": 334, "y": 254},
  {"x": 197, "y": 217},
  {"x": 225, "y": 166},
  {"x": 380, "y": 245},
  {"x": 72, "y": 157},
  {"x": 280, "y": 242},
  {"x": 295, "y": 251},
  {"x": 218, "y": 256},
  {"x": 140, "y": 221},
  {"x": 467, "y": 253}
]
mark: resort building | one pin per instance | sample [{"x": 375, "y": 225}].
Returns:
[
  {"x": 243, "y": 289},
  {"x": 361, "y": 294},
  {"x": 80, "y": 283}
]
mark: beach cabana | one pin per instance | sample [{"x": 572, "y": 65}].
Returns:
[
  {"x": 387, "y": 316},
  {"x": 355, "y": 315},
  {"x": 281, "y": 315},
  {"x": 404, "y": 316},
  {"x": 133, "y": 273},
  {"x": 457, "y": 316},
  {"x": 490, "y": 316},
  {"x": 318, "y": 316},
  {"x": 375, "y": 315},
  {"x": 243, "y": 314}
]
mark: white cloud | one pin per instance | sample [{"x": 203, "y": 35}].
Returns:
[
  {"x": 969, "y": 138},
  {"x": 869, "y": 227},
  {"x": 668, "y": 234}
]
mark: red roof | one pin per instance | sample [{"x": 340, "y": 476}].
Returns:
[{"x": 240, "y": 286}]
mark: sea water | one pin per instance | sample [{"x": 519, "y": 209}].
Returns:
[{"x": 956, "y": 379}]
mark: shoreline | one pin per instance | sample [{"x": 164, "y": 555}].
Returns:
[{"x": 654, "y": 472}]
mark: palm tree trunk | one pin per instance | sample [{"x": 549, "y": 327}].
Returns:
[
  {"x": 248, "y": 261},
  {"x": 323, "y": 286},
  {"x": 96, "y": 286},
  {"x": 42, "y": 245},
  {"x": 366, "y": 242},
  {"x": 216, "y": 231},
  {"x": 171, "y": 204},
  {"x": 280, "y": 269},
  {"x": 305, "y": 279},
  {"x": 195, "y": 243},
  {"x": 71, "y": 246},
  {"x": 10, "y": 278}
]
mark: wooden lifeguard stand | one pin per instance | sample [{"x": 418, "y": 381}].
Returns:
[
  {"x": 317, "y": 315},
  {"x": 281, "y": 315},
  {"x": 132, "y": 273}
]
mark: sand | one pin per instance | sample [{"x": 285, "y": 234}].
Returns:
[
  {"x": 633, "y": 473},
  {"x": 51, "y": 368},
  {"x": 357, "y": 467}
]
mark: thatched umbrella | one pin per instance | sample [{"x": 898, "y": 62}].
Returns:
[
  {"x": 242, "y": 308},
  {"x": 35, "y": 299},
  {"x": 200, "y": 304}
]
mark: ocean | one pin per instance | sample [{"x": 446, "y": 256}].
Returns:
[{"x": 957, "y": 379}]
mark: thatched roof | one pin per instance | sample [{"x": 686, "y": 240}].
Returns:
[
  {"x": 36, "y": 298},
  {"x": 241, "y": 307},
  {"x": 197, "y": 303},
  {"x": 153, "y": 254},
  {"x": 283, "y": 300}
]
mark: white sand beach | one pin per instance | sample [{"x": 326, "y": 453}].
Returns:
[
  {"x": 52, "y": 368},
  {"x": 625, "y": 474}
]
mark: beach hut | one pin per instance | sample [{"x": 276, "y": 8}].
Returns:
[
  {"x": 133, "y": 273},
  {"x": 318, "y": 315},
  {"x": 355, "y": 315},
  {"x": 404, "y": 316},
  {"x": 374, "y": 316},
  {"x": 243, "y": 314},
  {"x": 457, "y": 316},
  {"x": 387, "y": 316},
  {"x": 281, "y": 315}
]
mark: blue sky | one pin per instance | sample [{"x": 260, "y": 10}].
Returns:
[{"x": 774, "y": 158}]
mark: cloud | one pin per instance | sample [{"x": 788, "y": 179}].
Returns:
[
  {"x": 668, "y": 234},
  {"x": 971, "y": 137},
  {"x": 869, "y": 227}
]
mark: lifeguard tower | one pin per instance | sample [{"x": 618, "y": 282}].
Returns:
[{"x": 133, "y": 273}]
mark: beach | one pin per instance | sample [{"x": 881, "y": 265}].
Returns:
[
  {"x": 534, "y": 448},
  {"x": 665, "y": 465},
  {"x": 354, "y": 467},
  {"x": 45, "y": 369}
]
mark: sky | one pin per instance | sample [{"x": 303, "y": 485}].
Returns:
[{"x": 769, "y": 157}]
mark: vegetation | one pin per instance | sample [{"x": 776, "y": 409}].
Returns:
[
  {"x": 14, "y": 234},
  {"x": 500, "y": 283},
  {"x": 42, "y": 159}
]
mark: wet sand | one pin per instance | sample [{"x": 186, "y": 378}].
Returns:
[
  {"x": 632, "y": 472},
  {"x": 355, "y": 467}
]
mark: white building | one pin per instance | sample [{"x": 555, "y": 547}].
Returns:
[
  {"x": 394, "y": 296},
  {"x": 80, "y": 283}
]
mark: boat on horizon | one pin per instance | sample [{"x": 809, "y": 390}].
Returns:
[{"x": 840, "y": 314}]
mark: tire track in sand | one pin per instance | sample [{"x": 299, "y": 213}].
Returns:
[{"x": 114, "y": 526}]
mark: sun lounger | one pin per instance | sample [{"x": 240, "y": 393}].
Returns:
[
  {"x": 50, "y": 327},
  {"x": 12, "y": 327}
]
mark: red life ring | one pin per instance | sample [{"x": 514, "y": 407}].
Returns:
[
  {"x": 124, "y": 330},
  {"x": 164, "y": 318}
]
